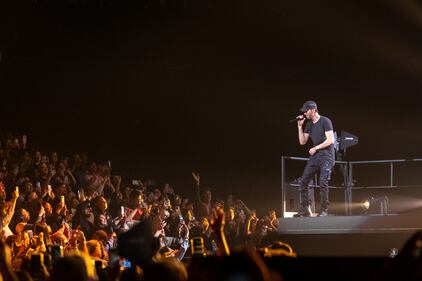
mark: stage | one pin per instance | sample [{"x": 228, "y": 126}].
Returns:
[
  {"x": 372, "y": 235},
  {"x": 351, "y": 224}
]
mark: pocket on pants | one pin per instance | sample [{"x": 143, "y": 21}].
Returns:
[{"x": 327, "y": 166}]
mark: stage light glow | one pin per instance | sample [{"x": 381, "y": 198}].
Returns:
[
  {"x": 365, "y": 204},
  {"x": 375, "y": 205}
]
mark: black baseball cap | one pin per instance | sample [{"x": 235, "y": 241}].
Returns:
[{"x": 308, "y": 105}]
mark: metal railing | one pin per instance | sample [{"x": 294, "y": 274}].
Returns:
[{"x": 348, "y": 182}]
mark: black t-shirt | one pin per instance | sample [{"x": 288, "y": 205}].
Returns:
[{"x": 317, "y": 133}]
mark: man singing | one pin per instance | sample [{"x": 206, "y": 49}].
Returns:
[{"x": 321, "y": 158}]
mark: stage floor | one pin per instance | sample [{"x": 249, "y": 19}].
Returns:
[
  {"x": 351, "y": 224},
  {"x": 375, "y": 235}
]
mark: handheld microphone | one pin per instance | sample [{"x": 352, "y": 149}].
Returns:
[{"x": 301, "y": 117}]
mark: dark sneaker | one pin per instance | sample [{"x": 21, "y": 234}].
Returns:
[{"x": 323, "y": 213}]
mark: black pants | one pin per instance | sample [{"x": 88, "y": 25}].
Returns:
[{"x": 324, "y": 165}]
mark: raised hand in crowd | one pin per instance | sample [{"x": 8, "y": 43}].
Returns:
[
  {"x": 78, "y": 240},
  {"x": 217, "y": 222},
  {"x": 24, "y": 141},
  {"x": 251, "y": 223},
  {"x": 38, "y": 242},
  {"x": 184, "y": 231},
  {"x": 47, "y": 192},
  {"x": 81, "y": 195},
  {"x": 41, "y": 214},
  {"x": 2, "y": 189},
  {"x": 72, "y": 179},
  {"x": 243, "y": 207},
  {"x": 121, "y": 220},
  {"x": 9, "y": 210},
  {"x": 15, "y": 194},
  {"x": 197, "y": 178},
  {"x": 116, "y": 181}
]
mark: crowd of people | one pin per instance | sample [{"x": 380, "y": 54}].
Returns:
[{"x": 59, "y": 212}]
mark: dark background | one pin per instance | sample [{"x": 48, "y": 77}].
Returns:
[{"x": 162, "y": 90}]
